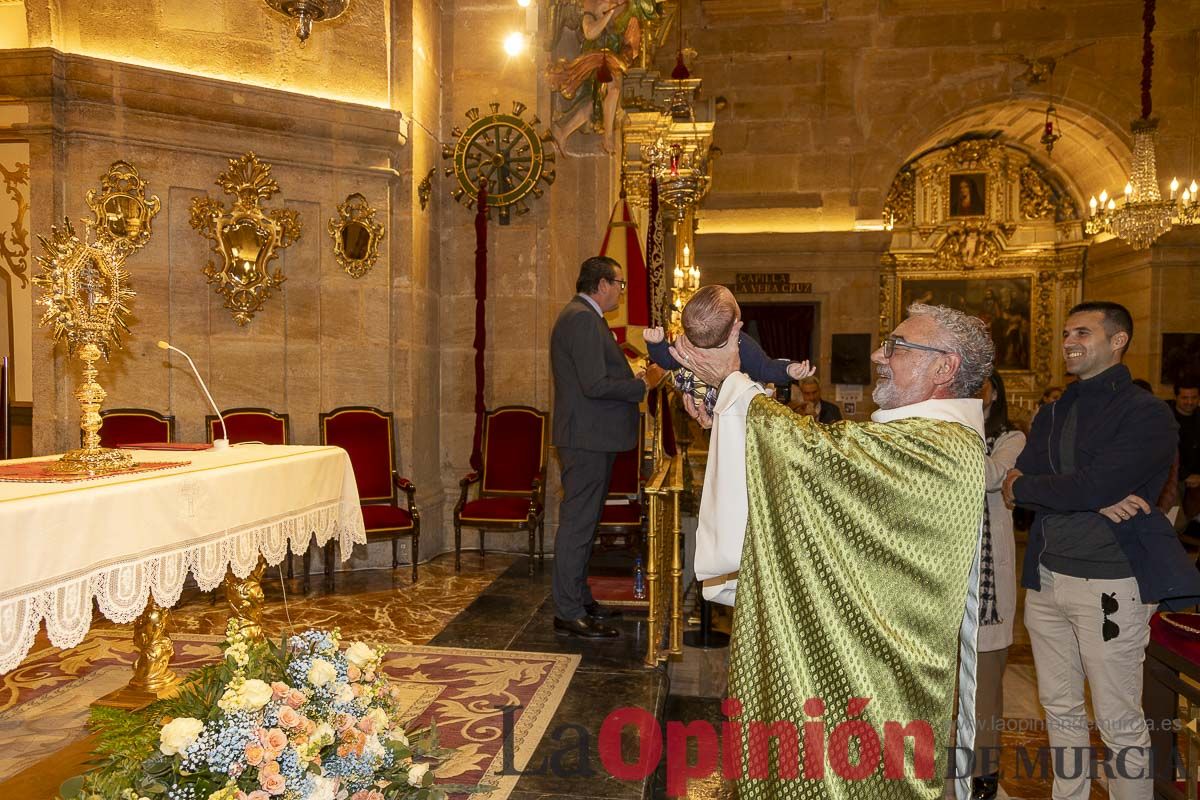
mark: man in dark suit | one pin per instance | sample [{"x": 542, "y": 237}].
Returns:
[
  {"x": 810, "y": 393},
  {"x": 596, "y": 398}
]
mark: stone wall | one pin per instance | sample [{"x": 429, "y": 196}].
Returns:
[{"x": 825, "y": 100}]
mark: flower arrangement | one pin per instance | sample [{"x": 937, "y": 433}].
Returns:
[{"x": 304, "y": 720}]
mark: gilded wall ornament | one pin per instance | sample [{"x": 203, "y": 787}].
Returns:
[
  {"x": 507, "y": 150},
  {"x": 85, "y": 292},
  {"x": 16, "y": 257},
  {"x": 968, "y": 246},
  {"x": 356, "y": 235},
  {"x": 121, "y": 207},
  {"x": 900, "y": 208},
  {"x": 425, "y": 188},
  {"x": 246, "y": 237},
  {"x": 1038, "y": 199}
]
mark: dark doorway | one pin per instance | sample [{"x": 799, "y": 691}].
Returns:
[{"x": 785, "y": 330}]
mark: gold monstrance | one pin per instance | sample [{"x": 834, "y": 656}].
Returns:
[{"x": 84, "y": 291}]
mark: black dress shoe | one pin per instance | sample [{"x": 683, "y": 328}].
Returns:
[
  {"x": 585, "y": 628},
  {"x": 985, "y": 787},
  {"x": 597, "y": 611}
]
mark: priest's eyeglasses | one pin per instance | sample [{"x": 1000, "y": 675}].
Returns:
[{"x": 892, "y": 342}]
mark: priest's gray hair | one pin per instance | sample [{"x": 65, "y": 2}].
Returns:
[{"x": 969, "y": 338}]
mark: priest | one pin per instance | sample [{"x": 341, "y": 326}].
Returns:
[{"x": 853, "y": 552}]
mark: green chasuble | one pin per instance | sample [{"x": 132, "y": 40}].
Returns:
[{"x": 853, "y": 583}]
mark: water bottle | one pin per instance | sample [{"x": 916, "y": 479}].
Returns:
[{"x": 639, "y": 580}]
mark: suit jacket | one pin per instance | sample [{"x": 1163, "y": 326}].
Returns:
[
  {"x": 596, "y": 395},
  {"x": 1124, "y": 444}
]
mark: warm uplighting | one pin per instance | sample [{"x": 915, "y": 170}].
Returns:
[
  {"x": 524, "y": 3},
  {"x": 514, "y": 44}
]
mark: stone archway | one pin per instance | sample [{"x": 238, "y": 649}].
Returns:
[{"x": 1094, "y": 153}]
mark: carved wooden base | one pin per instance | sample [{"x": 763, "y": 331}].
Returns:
[
  {"x": 245, "y": 598},
  {"x": 153, "y": 677}
]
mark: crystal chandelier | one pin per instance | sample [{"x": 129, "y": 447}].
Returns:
[{"x": 1143, "y": 215}]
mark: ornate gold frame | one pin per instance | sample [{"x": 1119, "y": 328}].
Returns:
[
  {"x": 121, "y": 207},
  {"x": 245, "y": 282},
  {"x": 355, "y": 211},
  {"x": 1051, "y": 274}
]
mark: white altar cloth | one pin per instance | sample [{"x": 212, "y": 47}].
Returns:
[{"x": 118, "y": 539}]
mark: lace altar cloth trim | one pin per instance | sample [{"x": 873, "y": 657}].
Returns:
[
  {"x": 121, "y": 590},
  {"x": 39, "y": 471}
]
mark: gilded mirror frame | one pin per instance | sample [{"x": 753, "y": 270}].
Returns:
[
  {"x": 245, "y": 283},
  {"x": 355, "y": 211},
  {"x": 122, "y": 209}
]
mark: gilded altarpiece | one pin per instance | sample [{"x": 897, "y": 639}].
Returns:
[{"x": 981, "y": 226}]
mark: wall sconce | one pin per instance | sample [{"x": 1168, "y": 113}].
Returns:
[{"x": 306, "y": 12}]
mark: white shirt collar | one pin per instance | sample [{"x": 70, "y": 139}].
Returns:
[
  {"x": 592, "y": 303},
  {"x": 967, "y": 411}
]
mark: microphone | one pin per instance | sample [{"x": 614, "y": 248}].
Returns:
[{"x": 218, "y": 444}]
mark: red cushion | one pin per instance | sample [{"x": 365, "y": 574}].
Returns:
[
  {"x": 367, "y": 437},
  {"x": 496, "y": 509},
  {"x": 512, "y": 450},
  {"x": 119, "y": 429},
  {"x": 622, "y": 514},
  {"x": 251, "y": 426},
  {"x": 378, "y": 518}
]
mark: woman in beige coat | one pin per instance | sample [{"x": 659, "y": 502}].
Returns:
[{"x": 997, "y": 587}]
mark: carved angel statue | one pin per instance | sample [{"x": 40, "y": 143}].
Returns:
[{"x": 594, "y": 42}]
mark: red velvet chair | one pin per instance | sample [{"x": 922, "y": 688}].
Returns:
[
  {"x": 366, "y": 434},
  {"x": 624, "y": 513},
  {"x": 512, "y": 484},
  {"x": 250, "y": 425},
  {"x": 122, "y": 426}
]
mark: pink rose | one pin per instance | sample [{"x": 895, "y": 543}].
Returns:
[
  {"x": 296, "y": 698},
  {"x": 276, "y": 740},
  {"x": 257, "y": 794},
  {"x": 254, "y": 754},
  {"x": 269, "y": 768},
  {"x": 274, "y": 784},
  {"x": 289, "y": 717},
  {"x": 366, "y": 794},
  {"x": 367, "y": 725},
  {"x": 279, "y": 690},
  {"x": 344, "y": 722},
  {"x": 353, "y": 673}
]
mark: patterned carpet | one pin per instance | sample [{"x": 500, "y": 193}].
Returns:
[{"x": 46, "y": 700}]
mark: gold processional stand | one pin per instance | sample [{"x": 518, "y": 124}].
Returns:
[
  {"x": 664, "y": 546},
  {"x": 85, "y": 291}
]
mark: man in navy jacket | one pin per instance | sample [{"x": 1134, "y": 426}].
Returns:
[{"x": 1100, "y": 556}]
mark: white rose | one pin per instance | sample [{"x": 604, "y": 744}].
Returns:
[
  {"x": 255, "y": 694},
  {"x": 323, "y": 734},
  {"x": 178, "y": 735},
  {"x": 344, "y": 695},
  {"x": 360, "y": 654},
  {"x": 321, "y": 672},
  {"x": 417, "y": 773},
  {"x": 323, "y": 788}
]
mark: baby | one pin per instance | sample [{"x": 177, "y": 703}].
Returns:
[{"x": 707, "y": 319}]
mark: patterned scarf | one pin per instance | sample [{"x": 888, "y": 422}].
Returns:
[{"x": 988, "y": 615}]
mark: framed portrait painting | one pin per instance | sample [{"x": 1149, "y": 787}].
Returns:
[
  {"x": 1003, "y": 303},
  {"x": 968, "y": 194}
]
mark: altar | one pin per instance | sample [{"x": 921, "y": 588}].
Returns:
[{"x": 129, "y": 541}]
